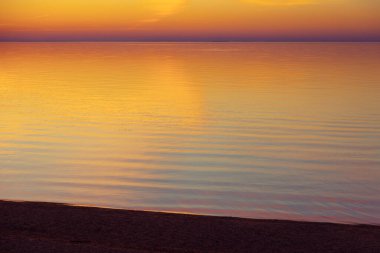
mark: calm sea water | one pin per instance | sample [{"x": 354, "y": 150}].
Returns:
[{"x": 283, "y": 131}]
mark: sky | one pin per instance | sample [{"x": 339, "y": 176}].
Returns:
[{"x": 189, "y": 20}]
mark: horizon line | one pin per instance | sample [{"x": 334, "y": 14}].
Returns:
[{"x": 191, "y": 41}]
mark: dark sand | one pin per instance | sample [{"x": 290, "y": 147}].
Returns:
[{"x": 42, "y": 227}]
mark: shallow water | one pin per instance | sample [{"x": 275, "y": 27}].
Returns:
[{"x": 283, "y": 131}]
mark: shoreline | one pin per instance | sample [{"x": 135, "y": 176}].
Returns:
[{"x": 49, "y": 227}]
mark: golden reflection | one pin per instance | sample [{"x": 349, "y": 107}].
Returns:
[
  {"x": 102, "y": 83},
  {"x": 97, "y": 98},
  {"x": 116, "y": 123},
  {"x": 110, "y": 83}
]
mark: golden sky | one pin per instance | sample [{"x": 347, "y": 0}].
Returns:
[{"x": 189, "y": 20}]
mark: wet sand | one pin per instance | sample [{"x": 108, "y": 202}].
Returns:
[{"x": 46, "y": 227}]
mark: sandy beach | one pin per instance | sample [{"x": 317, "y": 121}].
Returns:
[
  {"x": 173, "y": 126},
  {"x": 46, "y": 227}
]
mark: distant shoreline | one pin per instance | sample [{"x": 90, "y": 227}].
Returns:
[{"x": 47, "y": 227}]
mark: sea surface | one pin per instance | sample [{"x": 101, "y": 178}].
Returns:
[{"x": 259, "y": 130}]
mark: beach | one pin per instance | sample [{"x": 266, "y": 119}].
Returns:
[
  {"x": 47, "y": 227},
  {"x": 173, "y": 126}
]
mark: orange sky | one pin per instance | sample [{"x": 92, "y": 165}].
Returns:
[{"x": 189, "y": 20}]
